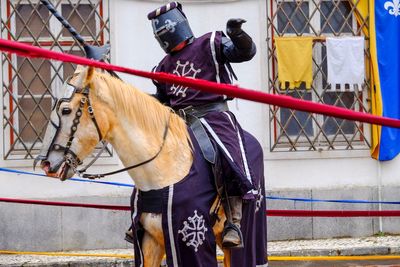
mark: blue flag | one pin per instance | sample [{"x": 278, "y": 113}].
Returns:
[{"x": 385, "y": 46}]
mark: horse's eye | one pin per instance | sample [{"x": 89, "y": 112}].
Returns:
[{"x": 66, "y": 111}]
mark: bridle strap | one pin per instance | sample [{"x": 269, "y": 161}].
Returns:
[
  {"x": 101, "y": 175},
  {"x": 70, "y": 157},
  {"x": 91, "y": 114},
  {"x": 105, "y": 143}
]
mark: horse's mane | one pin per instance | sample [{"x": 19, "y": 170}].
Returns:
[{"x": 148, "y": 112}]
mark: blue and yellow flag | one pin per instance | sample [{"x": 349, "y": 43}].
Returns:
[{"x": 385, "y": 56}]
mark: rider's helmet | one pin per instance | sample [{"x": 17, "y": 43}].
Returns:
[{"x": 170, "y": 26}]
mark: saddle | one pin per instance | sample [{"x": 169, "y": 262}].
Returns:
[{"x": 192, "y": 116}]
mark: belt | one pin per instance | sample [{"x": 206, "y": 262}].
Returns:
[
  {"x": 201, "y": 111},
  {"x": 192, "y": 116}
]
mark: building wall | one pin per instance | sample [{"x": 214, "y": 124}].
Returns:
[{"x": 325, "y": 175}]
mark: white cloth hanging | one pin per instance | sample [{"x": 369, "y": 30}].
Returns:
[{"x": 345, "y": 62}]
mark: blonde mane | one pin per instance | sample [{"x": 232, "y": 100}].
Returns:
[{"x": 149, "y": 113}]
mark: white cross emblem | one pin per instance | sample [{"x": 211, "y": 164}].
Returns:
[
  {"x": 193, "y": 231},
  {"x": 183, "y": 70}
]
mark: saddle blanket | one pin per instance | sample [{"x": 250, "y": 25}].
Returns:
[{"x": 187, "y": 223}]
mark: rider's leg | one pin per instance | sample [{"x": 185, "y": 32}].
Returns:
[{"x": 232, "y": 236}]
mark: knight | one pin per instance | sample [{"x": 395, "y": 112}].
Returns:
[{"x": 216, "y": 129}]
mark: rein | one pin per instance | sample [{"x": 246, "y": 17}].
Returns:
[
  {"x": 101, "y": 175},
  {"x": 73, "y": 161}
]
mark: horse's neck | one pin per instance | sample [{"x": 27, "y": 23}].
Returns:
[{"x": 135, "y": 145}]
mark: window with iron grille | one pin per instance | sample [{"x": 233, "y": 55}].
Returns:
[
  {"x": 292, "y": 130},
  {"x": 29, "y": 86}
]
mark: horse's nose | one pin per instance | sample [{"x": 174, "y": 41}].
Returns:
[
  {"x": 45, "y": 165},
  {"x": 38, "y": 159}
]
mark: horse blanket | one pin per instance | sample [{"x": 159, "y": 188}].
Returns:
[{"x": 187, "y": 222}]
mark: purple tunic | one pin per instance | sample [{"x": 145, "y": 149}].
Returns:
[
  {"x": 254, "y": 219},
  {"x": 202, "y": 59}
]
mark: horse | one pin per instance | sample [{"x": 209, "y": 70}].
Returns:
[{"x": 98, "y": 107}]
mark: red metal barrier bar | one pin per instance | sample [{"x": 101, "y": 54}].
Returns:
[
  {"x": 275, "y": 213},
  {"x": 64, "y": 204},
  {"x": 225, "y": 89},
  {"x": 333, "y": 213}
]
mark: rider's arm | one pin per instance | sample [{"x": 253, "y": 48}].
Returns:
[
  {"x": 239, "y": 46},
  {"x": 160, "y": 94}
]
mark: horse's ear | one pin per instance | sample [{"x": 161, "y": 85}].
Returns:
[{"x": 79, "y": 69}]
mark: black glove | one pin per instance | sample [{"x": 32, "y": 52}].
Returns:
[
  {"x": 234, "y": 27},
  {"x": 240, "y": 47}
]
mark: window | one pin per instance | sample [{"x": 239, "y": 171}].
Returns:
[
  {"x": 292, "y": 130},
  {"x": 30, "y": 85}
]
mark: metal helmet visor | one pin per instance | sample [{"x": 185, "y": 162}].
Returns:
[{"x": 171, "y": 28}]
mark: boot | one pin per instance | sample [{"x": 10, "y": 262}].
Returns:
[{"x": 231, "y": 235}]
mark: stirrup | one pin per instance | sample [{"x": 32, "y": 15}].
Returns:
[
  {"x": 129, "y": 236},
  {"x": 229, "y": 245}
]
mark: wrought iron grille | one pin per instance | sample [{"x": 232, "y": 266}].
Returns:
[
  {"x": 292, "y": 130},
  {"x": 29, "y": 86}
]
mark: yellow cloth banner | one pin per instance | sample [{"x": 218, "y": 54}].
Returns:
[
  {"x": 362, "y": 11},
  {"x": 376, "y": 98},
  {"x": 294, "y": 56},
  {"x": 363, "y": 14}
]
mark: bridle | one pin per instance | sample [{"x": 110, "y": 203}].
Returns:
[{"x": 70, "y": 157}]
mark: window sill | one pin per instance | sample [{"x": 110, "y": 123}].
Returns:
[
  {"x": 196, "y": 1},
  {"x": 295, "y": 155}
]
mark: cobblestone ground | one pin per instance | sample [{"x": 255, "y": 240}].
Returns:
[
  {"x": 381, "y": 245},
  {"x": 327, "y": 247}
]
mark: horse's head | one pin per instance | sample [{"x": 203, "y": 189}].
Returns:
[{"x": 77, "y": 123}]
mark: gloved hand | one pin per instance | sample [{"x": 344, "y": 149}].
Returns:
[
  {"x": 240, "y": 47},
  {"x": 234, "y": 26}
]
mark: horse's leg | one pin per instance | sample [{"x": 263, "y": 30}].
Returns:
[
  {"x": 153, "y": 240},
  {"x": 153, "y": 252},
  {"x": 227, "y": 257},
  {"x": 227, "y": 252},
  {"x": 217, "y": 229}
]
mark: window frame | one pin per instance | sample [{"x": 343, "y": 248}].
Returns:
[
  {"x": 8, "y": 110},
  {"x": 274, "y": 113}
]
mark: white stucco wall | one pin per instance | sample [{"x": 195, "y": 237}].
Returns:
[
  {"x": 133, "y": 45},
  {"x": 296, "y": 170}
]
